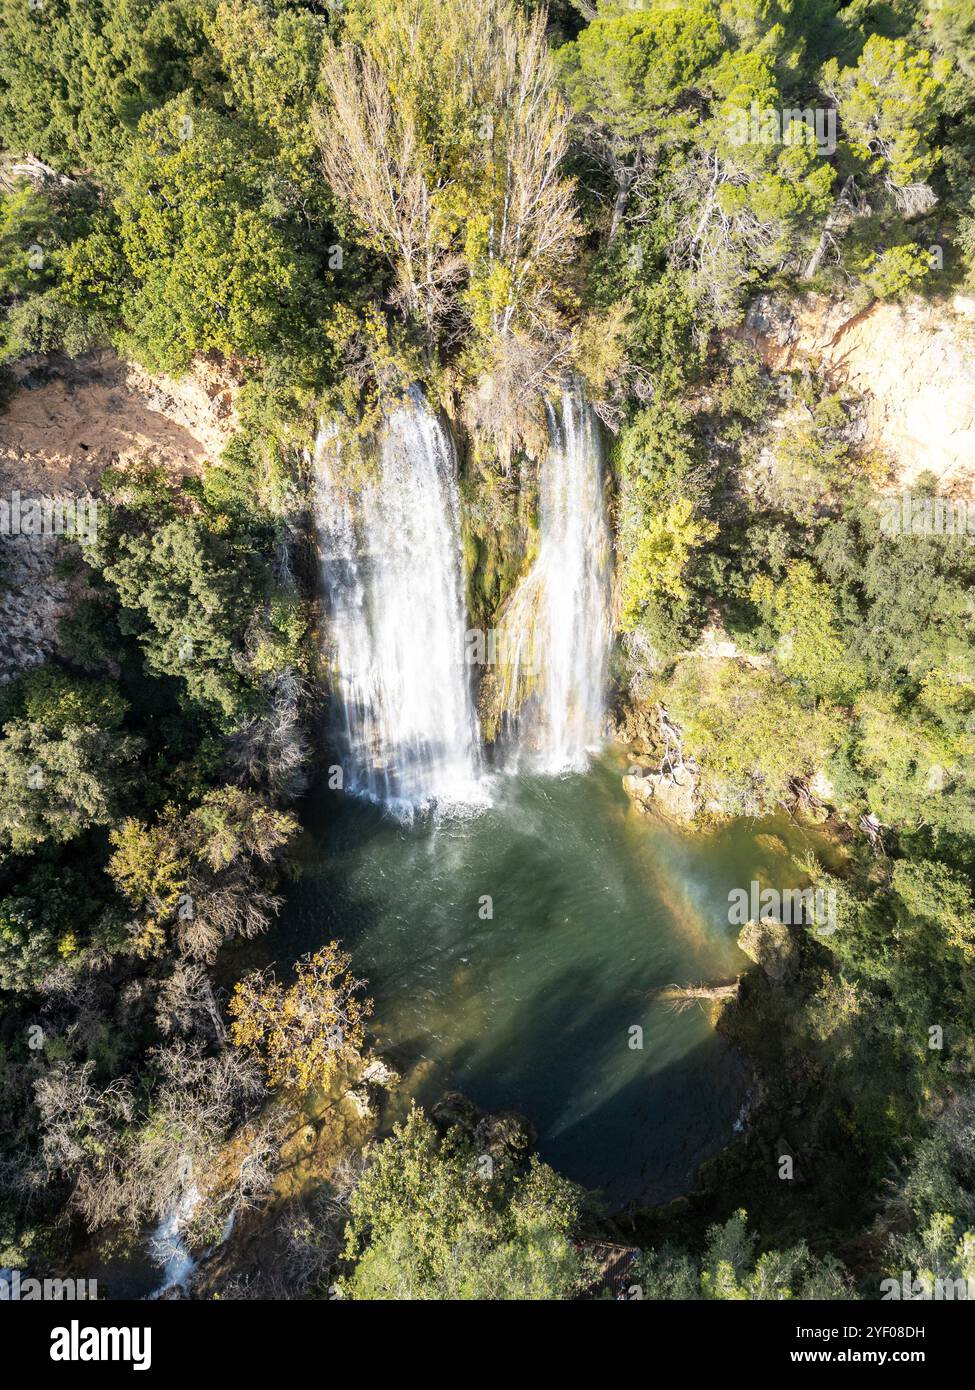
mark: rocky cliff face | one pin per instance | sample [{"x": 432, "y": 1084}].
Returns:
[
  {"x": 33, "y": 600},
  {"x": 913, "y": 364},
  {"x": 67, "y": 422}
]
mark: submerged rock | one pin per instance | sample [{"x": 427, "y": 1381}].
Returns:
[
  {"x": 772, "y": 844},
  {"x": 359, "y": 1099}
]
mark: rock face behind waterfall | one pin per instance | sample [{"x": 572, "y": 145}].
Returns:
[
  {"x": 391, "y": 565},
  {"x": 557, "y": 627}
]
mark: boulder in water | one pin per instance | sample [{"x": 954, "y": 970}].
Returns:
[
  {"x": 668, "y": 796},
  {"x": 505, "y": 1135},
  {"x": 773, "y": 946},
  {"x": 454, "y": 1110},
  {"x": 379, "y": 1073},
  {"x": 502, "y": 1135}
]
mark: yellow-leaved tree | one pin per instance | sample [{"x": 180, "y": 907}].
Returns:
[{"x": 302, "y": 1033}]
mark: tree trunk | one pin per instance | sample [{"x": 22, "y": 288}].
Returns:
[
  {"x": 624, "y": 183},
  {"x": 831, "y": 220},
  {"x": 213, "y": 1011}
]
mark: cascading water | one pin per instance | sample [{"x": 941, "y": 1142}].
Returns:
[
  {"x": 391, "y": 565},
  {"x": 557, "y": 627}
]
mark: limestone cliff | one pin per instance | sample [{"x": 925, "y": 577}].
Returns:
[
  {"x": 66, "y": 422},
  {"x": 912, "y": 363}
]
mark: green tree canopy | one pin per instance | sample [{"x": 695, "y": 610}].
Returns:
[{"x": 429, "y": 1221}]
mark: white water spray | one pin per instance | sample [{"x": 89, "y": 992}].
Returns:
[
  {"x": 167, "y": 1243},
  {"x": 392, "y": 571},
  {"x": 558, "y": 622}
]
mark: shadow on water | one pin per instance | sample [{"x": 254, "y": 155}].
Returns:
[{"x": 512, "y": 954}]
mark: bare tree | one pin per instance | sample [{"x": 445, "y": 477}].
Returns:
[
  {"x": 128, "y": 1164},
  {"x": 186, "y": 1001},
  {"x": 720, "y": 240},
  {"x": 198, "y": 1101},
  {"x": 371, "y": 152},
  {"x": 502, "y": 161},
  {"x": 534, "y": 230},
  {"x": 81, "y": 1139},
  {"x": 223, "y": 905},
  {"x": 272, "y": 751}
]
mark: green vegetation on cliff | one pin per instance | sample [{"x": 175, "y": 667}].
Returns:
[{"x": 486, "y": 197}]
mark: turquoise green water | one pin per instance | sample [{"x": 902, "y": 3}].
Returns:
[{"x": 594, "y": 909}]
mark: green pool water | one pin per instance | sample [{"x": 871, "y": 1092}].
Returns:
[{"x": 594, "y": 909}]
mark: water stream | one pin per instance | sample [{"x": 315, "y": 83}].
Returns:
[
  {"x": 558, "y": 621},
  {"x": 517, "y": 953},
  {"x": 391, "y": 567}
]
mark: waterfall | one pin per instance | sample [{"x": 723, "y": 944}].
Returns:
[
  {"x": 167, "y": 1245},
  {"x": 392, "y": 572},
  {"x": 557, "y": 626}
]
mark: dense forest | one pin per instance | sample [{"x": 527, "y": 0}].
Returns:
[{"x": 336, "y": 203}]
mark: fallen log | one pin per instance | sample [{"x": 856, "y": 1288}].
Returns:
[{"x": 683, "y": 997}]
